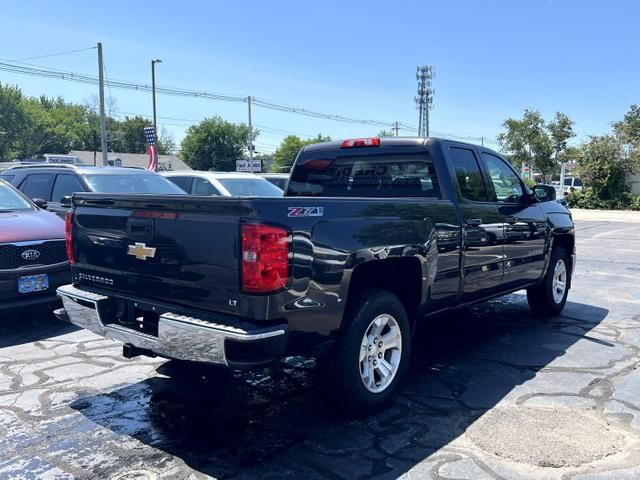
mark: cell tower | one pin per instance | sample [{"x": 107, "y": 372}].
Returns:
[{"x": 424, "y": 99}]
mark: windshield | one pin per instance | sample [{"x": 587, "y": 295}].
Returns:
[
  {"x": 250, "y": 187},
  {"x": 11, "y": 200},
  {"x": 143, "y": 183}
]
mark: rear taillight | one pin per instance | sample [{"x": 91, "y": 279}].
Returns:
[
  {"x": 68, "y": 236},
  {"x": 265, "y": 258},
  {"x": 361, "y": 142}
]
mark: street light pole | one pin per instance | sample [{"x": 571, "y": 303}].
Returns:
[
  {"x": 153, "y": 94},
  {"x": 250, "y": 137}
]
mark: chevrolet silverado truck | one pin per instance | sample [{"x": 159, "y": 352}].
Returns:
[{"x": 372, "y": 237}]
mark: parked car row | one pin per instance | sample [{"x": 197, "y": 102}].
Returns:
[
  {"x": 225, "y": 184},
  {"x": 33, "y": 255}
]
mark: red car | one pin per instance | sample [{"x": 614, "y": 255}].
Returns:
[{"x": 33, "y": 257}]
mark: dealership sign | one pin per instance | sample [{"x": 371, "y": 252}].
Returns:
[{"x": 248, "y": 166}]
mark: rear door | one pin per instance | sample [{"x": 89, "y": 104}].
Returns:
[
  {"x": 483, "y": 229},
  {"x": 524, "y": 221},
  {"x": 37, "y": 185}
]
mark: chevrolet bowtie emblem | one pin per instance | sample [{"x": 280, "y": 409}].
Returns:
[{"x": 141, "y": 251}]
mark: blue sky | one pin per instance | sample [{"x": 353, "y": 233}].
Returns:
[{"x": 492, "y": 58}]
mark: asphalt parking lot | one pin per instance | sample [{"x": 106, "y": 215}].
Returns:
[{"x": 492, "y": 394}]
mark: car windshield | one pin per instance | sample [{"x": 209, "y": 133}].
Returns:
[
  {"x": 250, "y": 187},
  {"x": 11, "y": 200},
  {"x": 132, "y": 183}
]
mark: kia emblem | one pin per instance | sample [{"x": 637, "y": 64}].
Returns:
[{"x": 30, "y": 254}]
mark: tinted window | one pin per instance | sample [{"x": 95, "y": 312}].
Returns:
[
  {"x": 506, "y": 183},
  {"x": 567, "y": 182},
  {"x": 37, "y": 185},
  {"x": 65, "y": 186},
  {"x": 250, "y": 187},
  {"x": 8, "y": 178},
  {"x": 132, "y": 183},
  {"x": 183, "y": 182},
  {"x": 577, "y": 182},
  {"x": 12, "y": 200},
  {"x": 468, "y": 174},
  {"x": 375, "y": 176},
  {"x": 203, "y": 187}
]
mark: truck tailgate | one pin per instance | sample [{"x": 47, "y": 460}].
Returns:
[{"x": 181, "y": 250}]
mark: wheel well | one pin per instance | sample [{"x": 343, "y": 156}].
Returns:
[
  {"x": 565, "y": 241},
  {"x": 400, "y": 276}
]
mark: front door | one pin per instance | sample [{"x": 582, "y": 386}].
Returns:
[{"x": 524, "y": 222}]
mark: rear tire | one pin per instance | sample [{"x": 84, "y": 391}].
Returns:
[
  {"x": 549, "y": 297},
  {"x": 370, "y": 358}
]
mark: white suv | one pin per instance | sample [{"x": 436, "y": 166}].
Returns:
[{"x": 226, "y": 184}]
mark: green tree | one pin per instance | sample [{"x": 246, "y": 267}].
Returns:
[
  {"x": 215, "y": 144},
  {"x": 560, "y": 132},
  {"x": 13, "y": 121},
  {"x": 604, "y": 166},
  {"x": 128, "y": 136},
  {"x": 55, "y": 126},
  {"x": 628, "y": 132},
  {"x": 526, "y": 141},
  {"x": 287, "y": 152},
  {"x": 385, "y": 133}
]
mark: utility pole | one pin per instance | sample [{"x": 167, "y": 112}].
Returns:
[
  {"x": 153, "y": 94},
  {"x": 250, "y": 137},
  {"x": 103, "y": 123},
  {"x": 424, "y": 99},
  {"x": 95, "y": 147},
  {"x": 396, "y": 129}
]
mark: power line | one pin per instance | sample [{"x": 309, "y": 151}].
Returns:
[
  {"x": 39, "y": 71},
  {"x": 127, "y": 85},
  {"x": 54, "y": 54}
]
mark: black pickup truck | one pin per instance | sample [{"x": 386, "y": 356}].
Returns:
[{"x": 372, "y": 236}]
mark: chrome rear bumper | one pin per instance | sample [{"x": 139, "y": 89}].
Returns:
[{"x": 179, "y": 336}]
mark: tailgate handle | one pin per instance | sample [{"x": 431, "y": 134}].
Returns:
[{"x": 140, "y": 227}]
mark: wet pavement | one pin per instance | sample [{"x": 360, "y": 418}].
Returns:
[{"x": 492, "y": 393}]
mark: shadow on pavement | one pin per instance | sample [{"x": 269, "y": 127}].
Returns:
[
  {"x": 25, "y": 326},
  {"x": 251, "y": 425}
]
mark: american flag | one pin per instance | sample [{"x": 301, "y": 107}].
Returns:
[{"x": 150, "y": 135}]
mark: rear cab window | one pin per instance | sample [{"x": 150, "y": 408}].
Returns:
[{"x": 379, "y": 175}]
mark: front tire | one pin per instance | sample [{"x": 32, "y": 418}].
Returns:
[
  {"x": 370, "y": 358},
  {"x": 549, "y": 297}
]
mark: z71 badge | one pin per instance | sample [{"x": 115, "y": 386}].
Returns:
[{"x": 306, "y": 212}]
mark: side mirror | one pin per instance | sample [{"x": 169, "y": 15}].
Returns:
[
  {"x": 40, "y": 203},
  {"x": 544, "y": 193},
  {"x": 65, "y": 202}
]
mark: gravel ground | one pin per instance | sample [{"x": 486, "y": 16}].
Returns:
[{"x": 492, "y": 394}]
